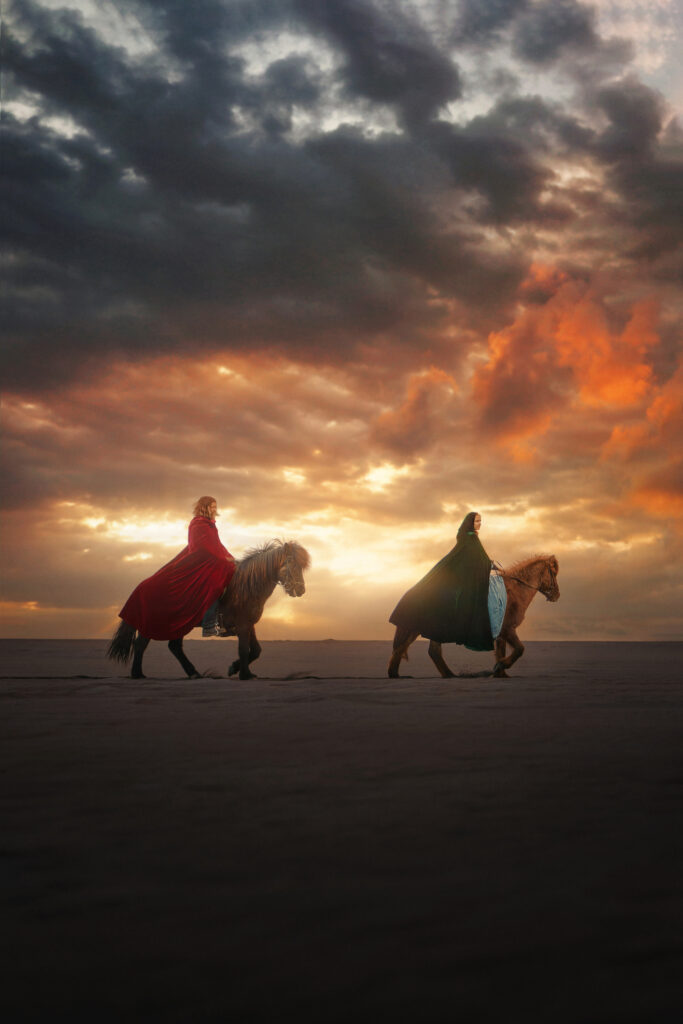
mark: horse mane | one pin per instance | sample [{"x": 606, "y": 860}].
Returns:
[
  {"x": 260, "y": 565},
  {"x": 526, "y": 563},
  {"x": 301, "y": 555}
]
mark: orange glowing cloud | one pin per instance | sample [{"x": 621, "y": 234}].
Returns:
[
  {"x": 662, "y": 502},
  {"x": 608, "y": 367},
  {"x": 665, "y": 415},
  {"x": 660, "y": 429},
  {"x": 660, "y": 491},
  {"x": 651, "y": 446},
  {"x": 410, "y": 428},
  {"x": 563, "y": 352},
  {"x": 521, "y": 383},
  {"x": 542, "y": 282}
]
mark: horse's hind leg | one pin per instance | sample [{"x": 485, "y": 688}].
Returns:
[
  {"x": 139, "y": 647},
  {"x": 403, "y": 638},
  {"x": 436, "y": 655},
  {"x": 176, "y": 649}
]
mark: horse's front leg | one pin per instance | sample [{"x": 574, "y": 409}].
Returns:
[
  {"x": 503, "y": 663},
  {"x": 254, "y": 646},
  {"x": 176, "y": 649},
  {"x": 402, "y": 641},
  {"x": 499, "y": 668},
  {"x": 139, "y": 647},
  {"x": 435, "y": 653},
  {"x": 244, "y": 647}
]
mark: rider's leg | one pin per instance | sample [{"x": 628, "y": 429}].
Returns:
[{"x": 210, "y": 623}]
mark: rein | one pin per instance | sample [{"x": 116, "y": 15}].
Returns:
[{"x": 517, "y": 579}]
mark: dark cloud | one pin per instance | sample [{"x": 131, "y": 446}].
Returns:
[
  {"x": 635, "y": 115},
  {"x": 541, "y": 34},
  {"x": 293, "y": 82},
  {"x": 243, "y": 224},
  {"x": 644, "y": 166},
  {"x": 178, "y": 201},
  {"x": 389, "y": 58},
  {"x": 500, "y": 168},
  {"x": 479, "y": 20},
  {"x": 536, "y": 125},
  {"x": 544, "y": 30}
]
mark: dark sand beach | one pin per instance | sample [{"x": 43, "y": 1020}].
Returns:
[{"x": 337, "y": 843}]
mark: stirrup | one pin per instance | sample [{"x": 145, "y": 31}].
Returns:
[{"x": 214, "y": 630}]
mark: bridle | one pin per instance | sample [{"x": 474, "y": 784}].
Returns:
[
  {"x": 524, "y": 583},
  {"x": 286, "y": 574}
]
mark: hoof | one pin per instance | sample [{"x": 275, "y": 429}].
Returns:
[
  {"x": 195, "y": 675},
  {"x": 248, "y": 675},
  {"x": 138, "y": 675},
  {"x": 233, "y": 669}
]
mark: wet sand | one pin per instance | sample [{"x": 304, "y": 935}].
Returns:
[{"x": 336, "y": 842}]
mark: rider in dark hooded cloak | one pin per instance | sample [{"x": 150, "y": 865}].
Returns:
[{"x": 449, "y": 604}]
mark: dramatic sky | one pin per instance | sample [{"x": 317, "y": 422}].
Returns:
[{"x": 354, "y": 267}]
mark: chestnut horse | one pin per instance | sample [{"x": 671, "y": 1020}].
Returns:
[
  {"x": 241, "y": 606},
  {"x": 523, "y": 581}
]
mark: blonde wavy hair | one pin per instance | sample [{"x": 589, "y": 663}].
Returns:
[{"x": 201, "y": 507}]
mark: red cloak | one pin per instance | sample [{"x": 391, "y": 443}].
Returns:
[{"x": 170, "y": 603}]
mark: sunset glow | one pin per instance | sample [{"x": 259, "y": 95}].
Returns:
[{"x": 369, "y": 267}]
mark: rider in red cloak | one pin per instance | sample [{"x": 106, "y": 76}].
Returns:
[{"x": 173, "y": 601}]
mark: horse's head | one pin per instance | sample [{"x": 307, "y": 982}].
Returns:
[
  {"x": 548, "y": 584},
  {"x": 295, "y": 560}
]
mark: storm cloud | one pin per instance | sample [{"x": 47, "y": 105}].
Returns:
[{"x": 196, "y": 190}]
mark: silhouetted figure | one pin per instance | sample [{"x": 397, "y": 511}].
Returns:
[{"x": 450, "y": 604}]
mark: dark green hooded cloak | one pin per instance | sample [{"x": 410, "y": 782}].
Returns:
[{"x": 450, "y": 603}]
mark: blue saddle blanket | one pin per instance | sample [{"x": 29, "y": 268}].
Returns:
[{"x": 497, "y": 602}]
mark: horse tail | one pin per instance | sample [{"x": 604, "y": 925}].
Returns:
[{"x": 121, "y": 646}]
